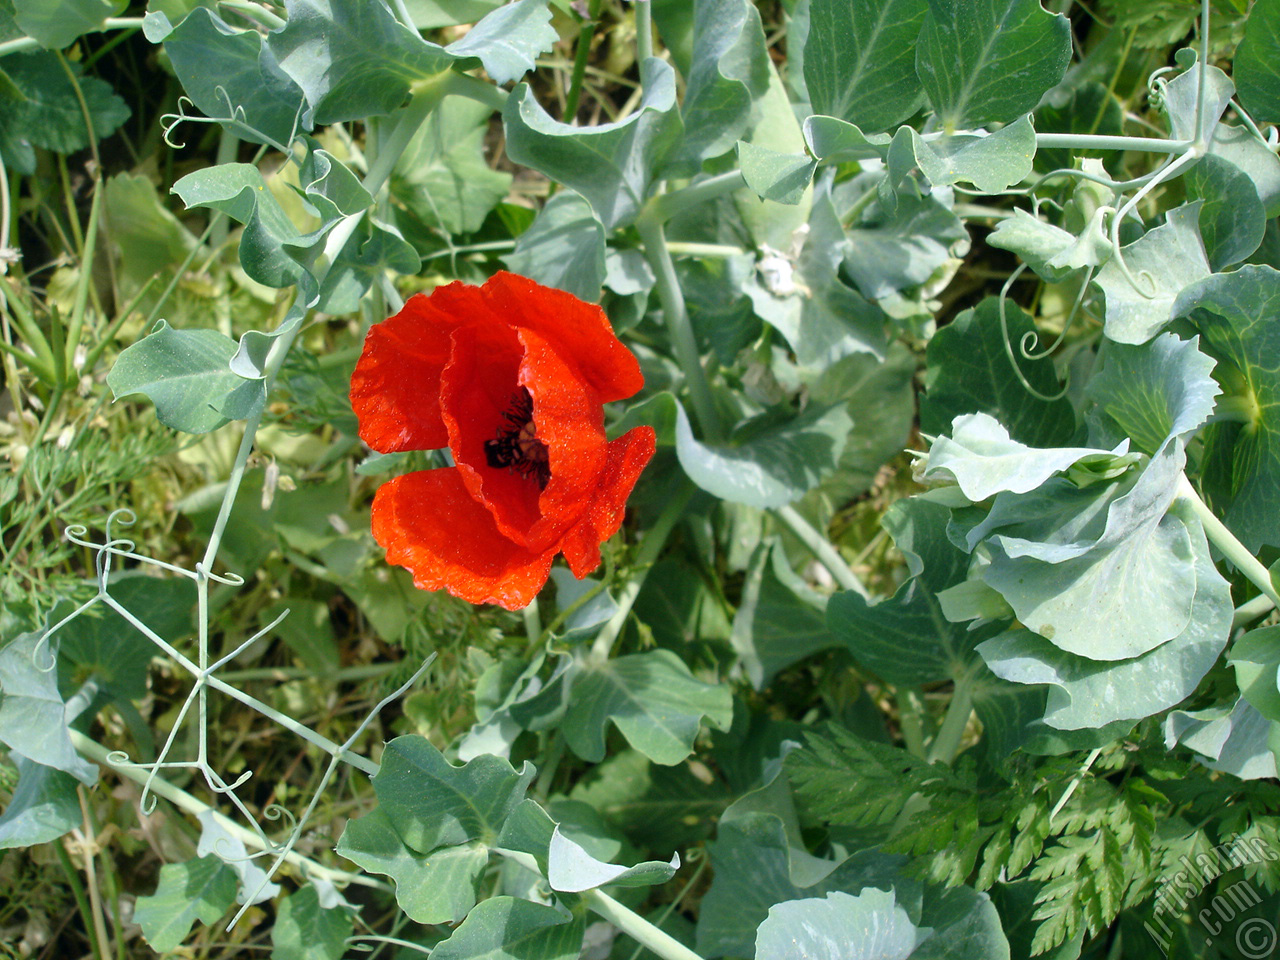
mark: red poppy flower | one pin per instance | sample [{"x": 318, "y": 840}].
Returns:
[{"x": 511, "y": 376}]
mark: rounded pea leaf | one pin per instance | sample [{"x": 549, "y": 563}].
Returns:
[
  {"x": 1256, "y": 70},
  {"x": 869, "y": 926},
  {"x": 507, "y": 928}
]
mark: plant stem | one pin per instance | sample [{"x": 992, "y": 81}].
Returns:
[
  {"x": 77, "y": 891},
  {"x": 946, "y": 745},
  {"x": 630, "y": 922},
  {"x": 1093, "y": 141},
  {"x": 821, "y": 548},
  {"x": 644, "y": 30},
  {"x": 678, "y": 325},
  {"x": 1226, "y": 541},
  {"x": 90, "y": 873},
  {"x": 650, "y": 547},
  {"x": 185, "y": 801},
  {"x": 581, "y": 54},
  {"x": 910, "y": 710}
]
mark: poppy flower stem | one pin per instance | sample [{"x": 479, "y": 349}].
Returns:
[
  {"x": 650, "y": 547},
  {"x": 678, "y": 326}
]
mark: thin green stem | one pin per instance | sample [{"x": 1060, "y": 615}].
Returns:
[
  {"x": 665, "y": 206},
  {"x": 650, "y": 547},
  {"x": 946, "y": 745},
  {"x": 581, "y": 54},
  {"x": 254, "y": 12},
  {"x": 910, "y": 712},
  {"x": 103, "y": 943},
  {"x": 644, "y": 30},
  {"x": 821, "y": 548},
  {"x": 678, "y": 326},
  {"x": 1251, "y": 610},
  {"x": 1093, "y": 141},
  {"x": 630, "y": 922},
  {"x": 185, "y": 801},
  {"x": 1226, "y": 541},
  {"x": 77, "y": 891}
]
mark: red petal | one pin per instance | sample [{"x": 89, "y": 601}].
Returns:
[
  {"x": 429, "y": 523},
  {"x": 627, "y": 456},
  {"x": 574, "y": 329},
  {"x": 395, "y": 390}
]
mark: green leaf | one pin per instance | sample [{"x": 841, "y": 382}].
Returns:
[
  {"x": 1156, "y": 391},
  {"x": 437, "y": 887},
  {"x": 200, "y": 889},
  {"x": 991, "y": 163},
  {"x": 564, "y": 248},
  {"x": 968, "y": 370},
  {"x": 571, "y": 869},
  {"x": 230, "y": 75},
  {"x": 104, "y": 645},
  {"x": 870, "y": 926},
  {"x": 185, "y": 373},
  {"x": 838, "y": 141},
  {"x": 729, "y": 73},
  {"x": 306, "y": 930},
  {"x": 779, "y": 620},
  {"x": 1087, "y": 694},
  {"x": 217, "y": 840},
  {"x": 43, "y": 807},
  {"x": 33, "y": 719},
  {"x": 54, "y": 24},
  {"x": 40, "y": 106},
  {"x": 505, "y": 928},
  {"x": 508, "y": 40},
  {"x": 146, "y": 238},
  {"x": 1163, "y": 262},
  {"x": 1237, "y": 315},
  {"x": 892, "y": 250},
  {"x": 1256, "y": 73},
  {"x": 429, "y": 14},
  {"x": 652, "y": 698},
  {"x": 1232, "y": 219},
  {"x": 769, "y": 468},
  {"x": 1249, "y": 154},
  {"x": 1050, "y": 251},
  {"x": 985, "y": 61},
  {"x": 613, "y": 164},
  {"x": 780, "y": 177},
  {"x": 352, "y": 59},
  {"x": 1256, "y": 660},
  {"x": 1234, "y": 739},
  {"x": 1089, "y": 109},
  {"x": 443, "y": 176},
  {"x": 859, "y": 60},
  {"x": 1180, "y": 97},
  {"x": 432, "y": 803}
]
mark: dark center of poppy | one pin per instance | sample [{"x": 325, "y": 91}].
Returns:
[{"x": 517, "y": 447}]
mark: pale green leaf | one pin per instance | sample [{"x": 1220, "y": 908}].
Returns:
[
  {"x": 33, "y": 719},
  {"x": 306, "y": 929},
  {"x": 200, "y": 889},
  {"x": 43, "y": 807},
  {"x": 869, "y": 926},
  {"x": 992, "y": 163},
  {"x": 508, "y": 40},
  {"x": 56, "y": 23},
  {"x": 1256, "y": 72},
  {"x": 1233, "y": 739},
  {"x": 563, "y": 248},
  {"x": 571, "y": 869},
  {"x": 780, "y": 177},
  {"x": 505, "y": 928}
]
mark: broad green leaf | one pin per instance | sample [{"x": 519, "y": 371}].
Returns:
[
  {"x": 982, "y": 459},
  {"x": 1087, "y": 694},
  {"x": 769, "y": 467},
  {"x": 330, "y": 187},
  {"x": 1256, "y": 73},
  {"x": 101, "y": 644},
  {"x": 1256, "y": 660},
  {"x": 571, "y": 869},
  {"x": 1163, "y": 262},
  {"x": 992, "y": 163},
  {"x": 437, "y": 887},
  {"x": 1232, "y": 739},
  {"x": 56, "y": 23},
  {"x": 984, "y": 61},
  {"x": 146, "y": 239},
  {"x": 838, "y": 141},
  {"x": 307, "y": 930},
  {"x": 595, "y": 611},
  {"x": 780, "y": 177},
  {"x": 505, "y": 928},
  {"x": 40, "y": 106},
  {"x": 680, "y": 607},
  {"x": 1232, "y": 219},
  {"x": 1156, "y": 391},
  {"x": 429, "y": 14},
  {"x": 33, "y": 719},
  {"x": 728, "y": 74},
  {"x": 443, "y": 177},
  {"x": 230, "y": 75},
  {"x": 432, "y": 803},
  {"x": 564, "y": 248},
  {"x": 1237, "y": 315},
  {"x": 43, "y": 807},
  {"x": 653, "y": 805},
  {"x": 613, "y": 164},
  {"x": 755, "y": 866},
  {"x": 859, "y": 60},
  {"x": 200, "y": 889},
  {"x": 1107, "y": 573},
  {"x": 1053, "y": 253},
  {"x": 217, "y": 840},
  {"x": 969, "y": 370},
  {"x": 1248, "y": 153},
  {"x": 352, "y": 59},
  {"x": 1180, "y": 97},
  {"x": 185, "y": 373},
  {"x": 652, "y": 698},
  {"x": 779, "y": 621},
  {"x": 507, "y": 40},
  {"x": 869, "y": 926},
  {"x": 892, "y": 250}
]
